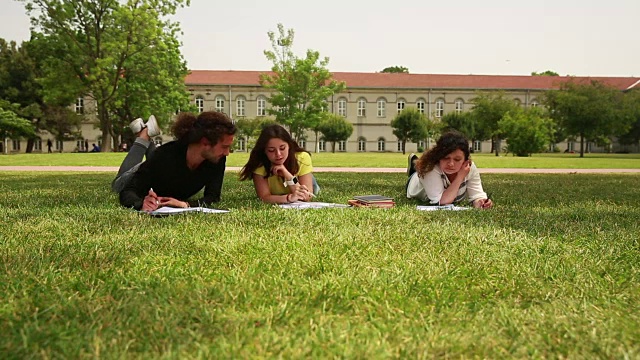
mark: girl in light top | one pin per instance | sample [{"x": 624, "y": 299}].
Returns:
[
  {"x": 445, "y": 174},
  {"x": 280, "y": 169}
]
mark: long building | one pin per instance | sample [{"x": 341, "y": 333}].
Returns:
[{"x": 370, "y": 102}]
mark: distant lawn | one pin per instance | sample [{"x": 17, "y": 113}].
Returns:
[
  {"x": 552, "y": 272},
  {"x": 392, "y": 160}
]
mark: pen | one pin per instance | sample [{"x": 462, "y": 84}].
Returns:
[{"x": 157, "y": 202}]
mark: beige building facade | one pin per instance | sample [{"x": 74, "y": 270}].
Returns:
[{"x": 370, "y": 102}]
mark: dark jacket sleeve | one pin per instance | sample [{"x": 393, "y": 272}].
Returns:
[
  {"x": 133, "y": 194},
  {"x": 213, "y": 188}
]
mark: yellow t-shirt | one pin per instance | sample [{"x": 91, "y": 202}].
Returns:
[{"x": 275, "y": 182}]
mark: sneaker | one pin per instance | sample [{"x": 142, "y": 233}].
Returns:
[
  {"x": 411, "y": 166},
  {"x": 152, "y": 126},
  {"x": 136, "y": 125}
]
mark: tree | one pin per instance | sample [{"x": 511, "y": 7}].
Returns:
[
  {"x": 632, "y": 109},
  {"x": 395, "y": 69},
  {"x": 250, "y": 128},
  {"x": 335, "y": 128},
  {"x": 301, "y": 85},
  {"x": 12, "y": 125},
  {"x": 545, "y": 73},
  {"x": 488, "y": 110},
  {"x": 410, "y": 125},
  {"x": 95, "y": 42},
  {"x": 462, "y": 122},
  {"x": 527, "y": 131},
  {"x": 588, "y": 110}
]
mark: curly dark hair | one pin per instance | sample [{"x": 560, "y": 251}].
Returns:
[
  {"x": 258, "y": 156},
  {"x": 449, "y": 142},
  {"x": 211, "y": 125}
]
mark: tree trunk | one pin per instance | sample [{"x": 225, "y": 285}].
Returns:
[
  {"x": 581, "y": 145},
  {"x": 317, "y": 143},
  {"x": 404, "y": 147},
  {"x": 497, "y": 146},
  {"x": 105, "y": 127},
  {"x": 333, "y": 147}
]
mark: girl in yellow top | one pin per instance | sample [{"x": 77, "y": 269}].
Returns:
[{"x": 281, "y": 170}]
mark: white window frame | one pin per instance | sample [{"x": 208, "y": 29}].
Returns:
[
  {"x": 322, "y": 145},
  {"x": 439, "y": 108},
  {"x": 199, "y": 103},
  {"x": 381, "y": 144},
  {"x": 59, "y": 145},
  {"x": 220, "y": 103},
  {"x": 401, "y": 105},
  {"x": 362, "y": 107},
  {"x": 362, "y": 144},
  {"x": 459, "y": 106},
  {"x": 342, "y": 107},
  {"x": 420, "y": 105},
  {"x": 80, "y": 106},
  {"x": 400, "y": 146},
  {"x": 381, "y": 108},
  {"x": 241, "y": 143},
  {"x": 261, "y": 106},
  {"x": 302, "y": 143},
  {"x": 37, "y": 144},
  {"x": 477, "y": 146},
  {"x": 534, "y": 103},
  {"x": 240, "y": 106},
  {"x": 342, "y": 146},
  {"x": 15, "y": 144}
]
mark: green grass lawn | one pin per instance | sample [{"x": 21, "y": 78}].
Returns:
[
  {"x": 552, "y": 272},
  {"x": 376, "y": 160}
]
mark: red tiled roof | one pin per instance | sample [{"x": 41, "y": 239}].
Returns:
[{"x": 420, "y": 81}]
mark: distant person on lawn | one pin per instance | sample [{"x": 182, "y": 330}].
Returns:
[
  {"x": 177, "y": 170},
  {"x": 446, "y": 175},
  {"x": 280, "y": 169}
]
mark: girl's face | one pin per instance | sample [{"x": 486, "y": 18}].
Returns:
[
  {"x": 452, "y": 163},
  {"x": 277, "y": 151}
]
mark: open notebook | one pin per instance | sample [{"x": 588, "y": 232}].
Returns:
[{"x": 167, "y": 210}]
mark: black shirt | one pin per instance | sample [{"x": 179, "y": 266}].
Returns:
[{"x": 167, "y": 173}]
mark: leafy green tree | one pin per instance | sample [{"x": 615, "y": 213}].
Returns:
[
  {"x": 527, "y": 131},
  {"x": 488, "y": 110},
  {"x": 462, "y": 122},
  {"x": 545, "y": 73},
  {"x": 95, "y": 43},
  {"x": 632, "y": 109},
  {"x": 301, "y": 85},
  {"x": 410, "y": 125},
  {"x": 588, "y": 110},
  {"x": 335, "y": 128},
  {"x": 12, "y": 125},
  {"x": 250, "y": 128},
  {"x": 396, "y": 69}
]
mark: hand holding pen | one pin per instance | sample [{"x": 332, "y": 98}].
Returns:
[{"x": 151, "y": 202}]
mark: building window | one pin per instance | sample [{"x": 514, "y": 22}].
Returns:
[
  {"x": 80, "y": 105},
  {"x": 200, "y": 103},
  {"x": 362, "y": 107},
  {"x": 401, "y": 104},
  {"x": 517, "y": 102},
  {"x": 322, "y": 145},
  {"x": 342, "y": 107},
  {"x": 220, "y": 103},
  {"x": 381, "y": 146},
  {"x": 302, "y": 143},
  {"x": 420, "y": 105},
  {"x": 59, "y": 145},
  {"x": 439, "y": 108},
  {"x": 362, "y": 144},
  {"x": 421, "y": 145},
  {"x": 570, "y": 146},
  {"x": 342, "y": 145},
  {"x": 80, "y": 145},
  {"x": 241, "y": 144},
  {"x": 477, "y": 146},
  {"x": 240, "y": 101},
  {"x": 382, "y": 105},
  {"x": 16, "y": 144},
  {"x": 262, "y": 106},
  {"x": 400, "y": 146},
  {"x": 37, "y": 144},
  {"x": 534, "y": 103},
  {"x": 459, "y": 106}
]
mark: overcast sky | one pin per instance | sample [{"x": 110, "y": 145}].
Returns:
[{"x": 501, "y": 37}]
